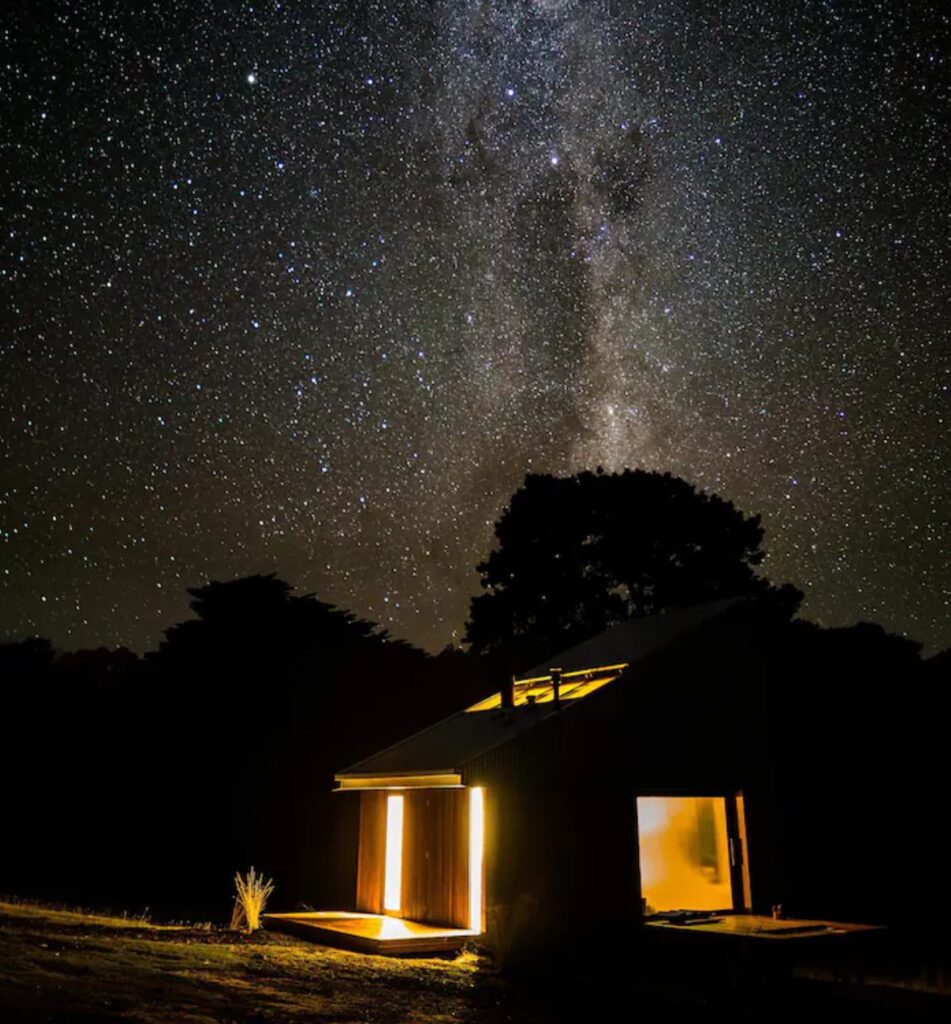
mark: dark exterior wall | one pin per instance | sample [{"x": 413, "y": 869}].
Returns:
[
  {"x": 711, "y": 704},
  {"x": 557, "y": 860},
  {"x": 561, "y": 826}
]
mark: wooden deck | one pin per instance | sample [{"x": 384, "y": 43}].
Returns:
[
  {"x": 369, "y": 933},
  {"x": 755, "y": 926}
]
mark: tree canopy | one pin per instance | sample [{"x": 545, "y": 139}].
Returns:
[
  {"x": 257, "y": 617},
  {"x": 578, "y": 554}
]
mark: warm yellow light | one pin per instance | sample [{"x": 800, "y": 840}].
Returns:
[
  {"x": 476, "y": 845},
  {"x": 684, "y": 853},
  {"x": 393, "y": 876},
  {"x": 538, "y": 689}
]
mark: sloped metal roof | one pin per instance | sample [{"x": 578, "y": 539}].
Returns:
[{"x": 445, "y": 747}]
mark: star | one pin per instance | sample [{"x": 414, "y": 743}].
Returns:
[{"x": 728, "y": 264}]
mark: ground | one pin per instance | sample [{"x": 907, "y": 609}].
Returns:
[
  {"x": 63, "y": 966},
  {"x": 58, "y": 965}
]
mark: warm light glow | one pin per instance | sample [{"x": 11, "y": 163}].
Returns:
[
  {"x": 476, "y": 844},
  {"x": 422, "y": 780},
  {"x": 684, "y": 853},
  {"x": 393, "y": 876},
  {"x": 538, "y": 690}
]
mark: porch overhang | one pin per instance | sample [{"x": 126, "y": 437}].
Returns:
[{"x": 415, "y": 780}]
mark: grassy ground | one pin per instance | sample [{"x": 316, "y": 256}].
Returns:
[
  {"x": 58, "y": 965},
  {"x": 63, "y": 966}
]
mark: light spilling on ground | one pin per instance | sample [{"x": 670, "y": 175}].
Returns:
[{"x": 62, "y": 966}]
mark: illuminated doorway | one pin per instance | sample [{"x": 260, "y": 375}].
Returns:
[
  {"x": 421, "y": 856},
  {"x": 692, "y": 853},
  {"x": 393, "y": 868}
]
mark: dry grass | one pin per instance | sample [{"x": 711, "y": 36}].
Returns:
[
  {"x": 251, "y": 895},
  {"x": 60, "y": 966}
]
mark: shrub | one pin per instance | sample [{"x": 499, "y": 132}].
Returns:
[{"x": 251, "y": 894}]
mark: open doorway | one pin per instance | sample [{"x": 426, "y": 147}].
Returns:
[
  {"x": 421, "y": 855},
  {"x": 692, "y": 853}
]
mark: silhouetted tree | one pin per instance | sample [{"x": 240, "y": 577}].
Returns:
[
  {"x": 258, "y": 618},
  {"x": 262, "y": 696},
  {"x": 939, "y": 667},
  {"x": 99, "y": 667},
  {"x": 27, "y": 658},
  {"x": 578, "y": 554}
]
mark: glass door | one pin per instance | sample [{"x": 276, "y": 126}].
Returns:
[{"x": 691, "y": 853}]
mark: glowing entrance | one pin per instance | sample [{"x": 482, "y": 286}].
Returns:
[
  {"x": 422, "y": 856},
  {"x": 393, "y": 874},
  {"x": 476, "y": 844},
  {"x": 688, "y": 854}
]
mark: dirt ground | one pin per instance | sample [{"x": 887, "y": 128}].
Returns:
[
  {"x": 62, "y": 966},
  {"x": 58, "y": 965}
]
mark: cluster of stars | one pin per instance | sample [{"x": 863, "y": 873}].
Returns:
[{"x": 310, "y": 289}]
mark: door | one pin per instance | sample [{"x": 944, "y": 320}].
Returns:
[
  {"x": 692, "y": 853},
  {"x": 435, "y": 885},
  {"x": 421, "y": 855}
]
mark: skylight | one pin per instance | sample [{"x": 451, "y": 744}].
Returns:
[{"x": 539, "y": 689}]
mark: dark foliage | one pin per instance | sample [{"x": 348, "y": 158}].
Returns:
[
  {"x": 578, "y": 554},
  {"x": 151, "y": 781},
  {"x": 28, "y": 659},
  {"x": 858, "y": 738}
]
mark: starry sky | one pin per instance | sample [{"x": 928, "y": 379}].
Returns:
[{"x": 308, "y": 288}]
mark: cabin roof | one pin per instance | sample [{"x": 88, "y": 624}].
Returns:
[
  {"x": 443, "y": 748},
  {"x": 439, "y": 754}
]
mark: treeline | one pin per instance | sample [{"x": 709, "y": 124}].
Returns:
[
  {"x": 134, "y": 782},
  {"x": 149, "y": 781}
]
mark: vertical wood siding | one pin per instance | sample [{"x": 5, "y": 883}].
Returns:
[
  {"x": 436, "y": 857},
  {"x": 372, "y": 856}
]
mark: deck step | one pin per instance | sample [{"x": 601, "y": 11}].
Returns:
[{"x": 369, "y": 933}]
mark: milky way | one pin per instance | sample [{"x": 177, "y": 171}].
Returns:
[{"x": 308, "y": 289}]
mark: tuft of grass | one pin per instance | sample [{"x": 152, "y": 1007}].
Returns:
[{"x": 251, "y": 895}]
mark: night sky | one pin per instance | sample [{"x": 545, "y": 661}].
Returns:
[{"x": 309, "y": 288}]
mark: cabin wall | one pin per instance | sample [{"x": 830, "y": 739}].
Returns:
[
  {"x": 435, "y": 885},
  {"x": 557, "y": 862},
  {"x": 435, "y": 855},
  {"x": 371, "y": 854},
  {"x": 562, "y": 850}
]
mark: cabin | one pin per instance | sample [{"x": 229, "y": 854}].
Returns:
[{"x": 628, "y": 779}]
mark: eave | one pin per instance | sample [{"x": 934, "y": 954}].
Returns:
[{"x": 415, "y": 780}]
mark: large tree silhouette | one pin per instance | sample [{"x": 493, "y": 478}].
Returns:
[
  {"x": 259, "y": 614},
  {"x": 578, "y": 554}
]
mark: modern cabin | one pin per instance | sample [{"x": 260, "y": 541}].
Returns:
[{"x": 627, "y": 777}]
